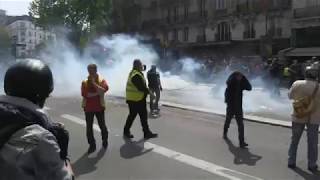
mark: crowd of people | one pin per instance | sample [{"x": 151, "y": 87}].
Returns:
[{"x": 28, "y": 135}]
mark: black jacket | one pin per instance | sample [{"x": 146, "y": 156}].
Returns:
[
  {"x": 233, "y": 93},
  {"x": 153, "y": 79}
]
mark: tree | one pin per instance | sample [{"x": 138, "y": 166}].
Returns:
[
  {"x": 5, "y": 42},
  {"x": 82, "y": 17}
]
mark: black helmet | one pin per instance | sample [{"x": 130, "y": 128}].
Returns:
[
  {"x": 30, "y": 79},
  {"x": 311, "y": 72}
]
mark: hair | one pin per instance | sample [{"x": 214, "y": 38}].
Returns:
[
  {"x": 136, "y": 64},
  {"x": 93, "y": 66}
]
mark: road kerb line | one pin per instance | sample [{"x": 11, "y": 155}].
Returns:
[{"x": 183, "y": 158}]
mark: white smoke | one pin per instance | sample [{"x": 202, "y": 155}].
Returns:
[{"x": 182, "y": 87}]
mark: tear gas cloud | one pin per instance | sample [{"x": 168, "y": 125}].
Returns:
[{"x": 183, "y": 87}]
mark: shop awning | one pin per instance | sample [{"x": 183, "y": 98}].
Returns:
[{"x": 301, "y": 52}]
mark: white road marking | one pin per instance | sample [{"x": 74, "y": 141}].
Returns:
[{"x": 186, "y": 159}]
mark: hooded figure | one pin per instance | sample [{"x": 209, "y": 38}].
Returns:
[
  {"x": 155, "y": 88},
  {"x": 236, "y": 83}
]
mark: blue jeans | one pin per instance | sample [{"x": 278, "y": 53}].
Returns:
[{"x": 312, "y": 135}]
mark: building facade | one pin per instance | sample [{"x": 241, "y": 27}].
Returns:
[
  {"x": 306, "y": 23},
  {"x": 2, "y": 17},
  {"x": 217, "y": 27},
  {"x": 26, "y": 36}
]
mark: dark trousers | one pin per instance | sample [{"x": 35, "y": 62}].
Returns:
[
  {"x": 136, "y": 108},
  {"x": 238, "y": 114},
  {"x": 154, "y": 102},
  {"x": 102, "y": 124}
]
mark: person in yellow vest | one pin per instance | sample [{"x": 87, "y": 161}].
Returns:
[
  {"x": 136, "y": 94},
  {"x": 93, "y": 91},
  {"x": 286, "y": 75}
]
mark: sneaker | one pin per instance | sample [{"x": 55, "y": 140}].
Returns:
[
  {"x": 105, "y": 144},
  {"x": 243, "y": 145},
  {"x": 91, "y": 149},
  {"x": 150, "y": 135},
  {"x": 128, "y": 135}
]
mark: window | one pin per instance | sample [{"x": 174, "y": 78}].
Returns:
[
  {"x": 272, "y": 26},
  {"x": 169, "y": 15},
  {"x": 165, "y": 36},
  {"x": 22, "y": 25},
  {"x": 221, "y": 4},
  {"x": 202, "y": 7},
  {"x": 175, "y": 35},
  {"x": 176, "y": 14},
  {"x": 186, "y": 12},
  {"x": 249, "y": 31},
  {"x": 223, "y": 32},
  {"x": 22, "y": 33},
  {"x": 186, "y": 34}
]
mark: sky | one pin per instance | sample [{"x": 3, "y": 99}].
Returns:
[{"x": 15, "y": 7}]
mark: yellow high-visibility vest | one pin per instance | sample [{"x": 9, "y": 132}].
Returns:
[
  {"x": 132, "y": 92},
  {"x": 286, "y": 72},
  {"x": 101, "y": 95}
]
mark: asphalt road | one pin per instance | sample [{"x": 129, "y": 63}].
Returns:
[{"x": 189, "y": 146}]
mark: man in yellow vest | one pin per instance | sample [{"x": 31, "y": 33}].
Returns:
[
  {"x": 136, "y": 94},
  {"x": 93, "y": 90}
]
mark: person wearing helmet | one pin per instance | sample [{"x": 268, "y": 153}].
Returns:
[
  {"x": 155, "y": 88},
  {"x": 32, "y": 146},
  {"x": 301, "y": 89}
]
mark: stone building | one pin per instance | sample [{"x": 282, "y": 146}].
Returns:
[{"x": 215, "y": 27}]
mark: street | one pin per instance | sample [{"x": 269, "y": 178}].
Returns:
[{"x": 190, "y": 146}]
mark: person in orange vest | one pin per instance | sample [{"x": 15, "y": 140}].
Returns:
[{"x": 93, "y": 91}]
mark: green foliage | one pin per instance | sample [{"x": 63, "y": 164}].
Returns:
[
  {"x": 4, "y": 39},
  {"x": 80, "y": 16}
]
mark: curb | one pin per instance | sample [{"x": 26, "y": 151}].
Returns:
[
  {"x": 251, "y": 118},
  {"x": 257, "y": 119}
]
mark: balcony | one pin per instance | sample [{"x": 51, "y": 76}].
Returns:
[
  {"x": 275, "y": 32},
  {"x": 201, "y": 38},
  {"x": 246, "y": 8},
  {"x": 249, "y": 35},
  {"x": 223, "y": 36},
  {"x": 191, "y": 18},
  {"x": 220, "y": 13},
  {"x": 154, "y": 23},
  {"x": 283, "y": 4},
  {"x": 308, "y": 12}
]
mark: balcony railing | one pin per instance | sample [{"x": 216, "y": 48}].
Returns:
[
  {"x": 201, "y": 38},
  {"x": 220, "y": 13},
  {"x": 307, "y": 12},
  {"x": 223, "y": 37},
  {"x": 258, "y": 6},
  {"x": 194, "y": 17},
  {"x": 249, "y": 35}
]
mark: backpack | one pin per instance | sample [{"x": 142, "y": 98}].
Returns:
[{"x": 304, "y": 106}]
